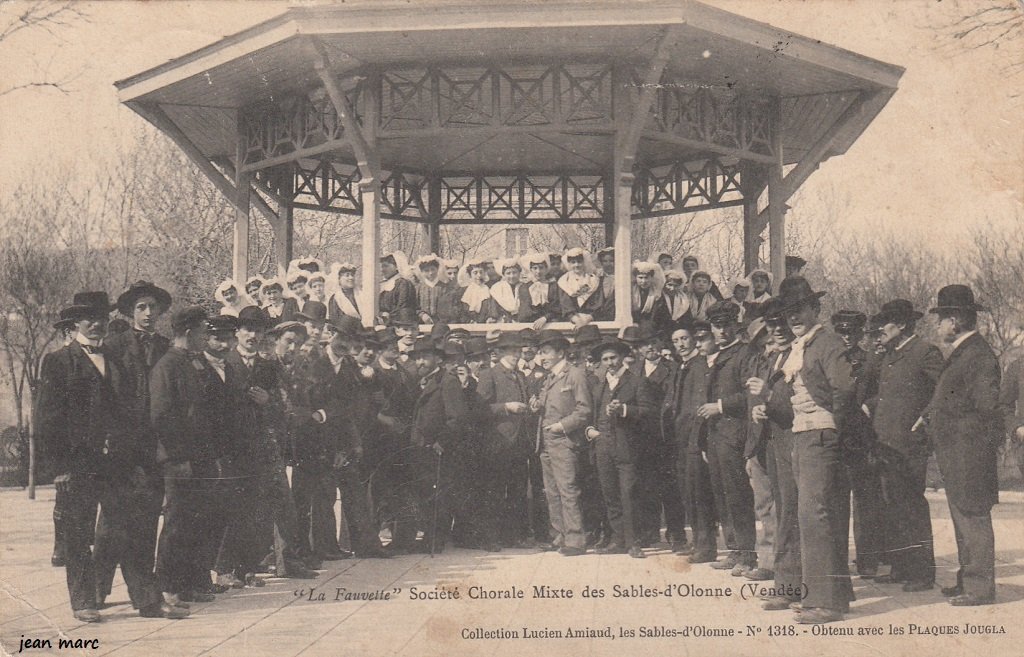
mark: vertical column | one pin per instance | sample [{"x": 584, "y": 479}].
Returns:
[
  {"x": 433, "y": 226},
  {"x": 609, "y": 209},
  {"x": 752, "y": 181},
  {"x": 777, "y": 201},
  {"x": 284, "y": 229},
  {"x": 240, "y": 247},
  {"x": 369, "y": 189},
  {"x": 623, "y": 247}
]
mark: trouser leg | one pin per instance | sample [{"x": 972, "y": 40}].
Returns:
[
  {"x": 668, "y": 495},
  {"x": 976, "y": 551},
  {"x": 303, "y": 491},
  {"x": 79, "y": 519},
  {"x": 608, "y": 478},
  {"x": 515, "y": 508},
  {"x": 178, "y": 567},
  {"x": 821, "y": 487},
  {"x": 721, "y": 506},
  {"x": 788, "y": 573},
  {"x": 869, "y": 526},
  {"x": 764, "y": 510},
  {"x": 628, "y": 487},
  {"x": 591, "y": 500},
  {"x": 699, "y": 500},
  {"x": 122, "y": 506},
  {"x": 60, "y": 502},
  {"x": 540, "y": 521},
  {"x": 737, "y": 493},
  {"x": 908, "y": 519},
  {"x": 362, "y": 530},
  {"x": 560, "y": 483}
]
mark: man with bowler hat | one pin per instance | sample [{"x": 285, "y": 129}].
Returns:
[
  {"x": 964, "y": 424},
  {"x": 907, "y": 375},
  {"x": 85, "y": 423}
]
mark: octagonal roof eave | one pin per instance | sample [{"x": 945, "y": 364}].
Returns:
[{"x": 214, "y": 81}]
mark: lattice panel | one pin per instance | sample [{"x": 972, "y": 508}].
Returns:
[
  {"x": 686, "y": 187},
  {"x": 716, "y": 117},
  {"x": 291, "y": 124},
  {"x": 328, "y": 186},
  {"x": 510, "y": 199},
  {"x": 402, "y": 196}
]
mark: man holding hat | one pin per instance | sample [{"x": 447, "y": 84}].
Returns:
[
  {"x": 564, "y": 405},
  {"x": 138, "y": 349},
  {"x": 906, "y": 379},
  {"x": 84, "y": 421},
  {"x": 964, "y": 424},
  {"x": 623, "y": 406},
  {"x": 823, "y": 399}
]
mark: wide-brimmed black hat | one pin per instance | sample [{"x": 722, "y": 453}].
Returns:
[
  {"x": 897, "y": 311},
  {"x": 64, "y": 324},
  {"x": 87, "y": 304},
  {"x": 634, "y": 335},
  {"x": 404, "y": 317},
  {"x": 846, "y": 321},
  {"x": 313, "y": 311},
  {"x": 454, "y": 351},
  {"x": 529, "y": 337},
  {"x": 773, "y": 310},
  {"x": 795, "y": 291},
  {"x": 552, "y": 336},
  {"x": 956, "y": 297},
  {"x": 610, "y": 344},
  {"x": 346, "y": 325},
  {"x": 189, "y": 317},
  {"x": 386, "y": 336},
  {"x": 586, "y": 335},
  {"x": 477, "y": 347},
  {"x": 425, "y": 344},
  {"x": 251, "y": 317},
  {"x": 509, "y": 340},
  {"x": 222, "y": 323},
  {"x": 138, "y": 289},
  {"x": 439, "y": 331}
]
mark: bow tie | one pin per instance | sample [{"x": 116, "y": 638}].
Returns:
[
  {"x": 90, "y": 349},
  {"x": 143, "y": 336}
]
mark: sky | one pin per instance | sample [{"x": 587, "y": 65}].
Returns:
[{"x": 945, "y": 155}]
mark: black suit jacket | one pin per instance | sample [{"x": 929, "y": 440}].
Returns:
[
  {"x": 129, "y": 349},
  {"x": 498, "y": 385},
  {"x": 965, "y": 425},
  {"x": 84, "y": 419},
  {"x": 906, "y": 383},
  {"x": 627, "y": 436},
  {"x": 726, "y": 384},
  {"x": 441, "y": 413}
]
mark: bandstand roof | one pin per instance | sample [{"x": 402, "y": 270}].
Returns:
[{"x": 814, "y": 83}]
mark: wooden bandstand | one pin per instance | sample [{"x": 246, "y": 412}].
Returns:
[{"x": 443, "y": 113}]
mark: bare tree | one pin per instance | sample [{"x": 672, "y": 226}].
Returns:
[
  {"x": 41, "y": 19},
  {"x": 995, "y": 24},
  {"x": 995, "y": 270}
]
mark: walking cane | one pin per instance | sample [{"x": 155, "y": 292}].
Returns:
[{"x": 437, "y": 492}]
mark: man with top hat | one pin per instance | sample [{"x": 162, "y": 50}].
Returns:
[
  {"x": 565, "y": 407},
  {"x": 138, "y": 349},
  {"x": 505, "y": 391},
  {"x": 193, "y": 404},
  {"x": 85, "y": 419},
  {"x": 624, "y": 404},
  {"x": 725, "y": 415},
  {"x": 823, "y": 400},
  {"x": 859, "y": 442},
  {"x": 964, "y": 424}
]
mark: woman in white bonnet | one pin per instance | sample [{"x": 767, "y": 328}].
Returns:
[
  {"x": 474, "y": 294},
  {"x": 579, "y": 288},
  {"x": 674, "y": 311},
  {"x": 232, "y": 298},
  {"x": 505, "y": 293},
  {"x": 538, "y": 297},
  {"x": 344, "y": 299},
  {"x": 648, "y": 281}
]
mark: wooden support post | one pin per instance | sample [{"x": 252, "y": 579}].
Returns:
[
  {"x": 363, "y": 140},
  {"x": 752, "y": 181},
  {"x": 284, "y": 235},
  {"x": 240, "y": 249},
  {"x": 777, "y": 202},
  {"x": 434, "y": 214},
  {"x": 609, "y": 209}
]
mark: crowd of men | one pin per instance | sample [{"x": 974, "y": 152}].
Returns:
[{"x": 709, "y": 413}]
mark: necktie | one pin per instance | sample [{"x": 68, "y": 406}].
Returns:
[
  {"x": 146, "y": 340},
  {"x": 90, "y": 349}
]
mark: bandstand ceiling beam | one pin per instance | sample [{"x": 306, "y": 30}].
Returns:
[
  {"x": 629, "y": 139},
  {"x": 155, "y": 115},
  {"x": 366, "y": 158},
  {"x": 811, "y": 160},
  {"x": 255, "y": 197}
]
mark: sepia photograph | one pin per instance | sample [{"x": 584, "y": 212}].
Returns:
[{"x": 454, "y": 328}]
